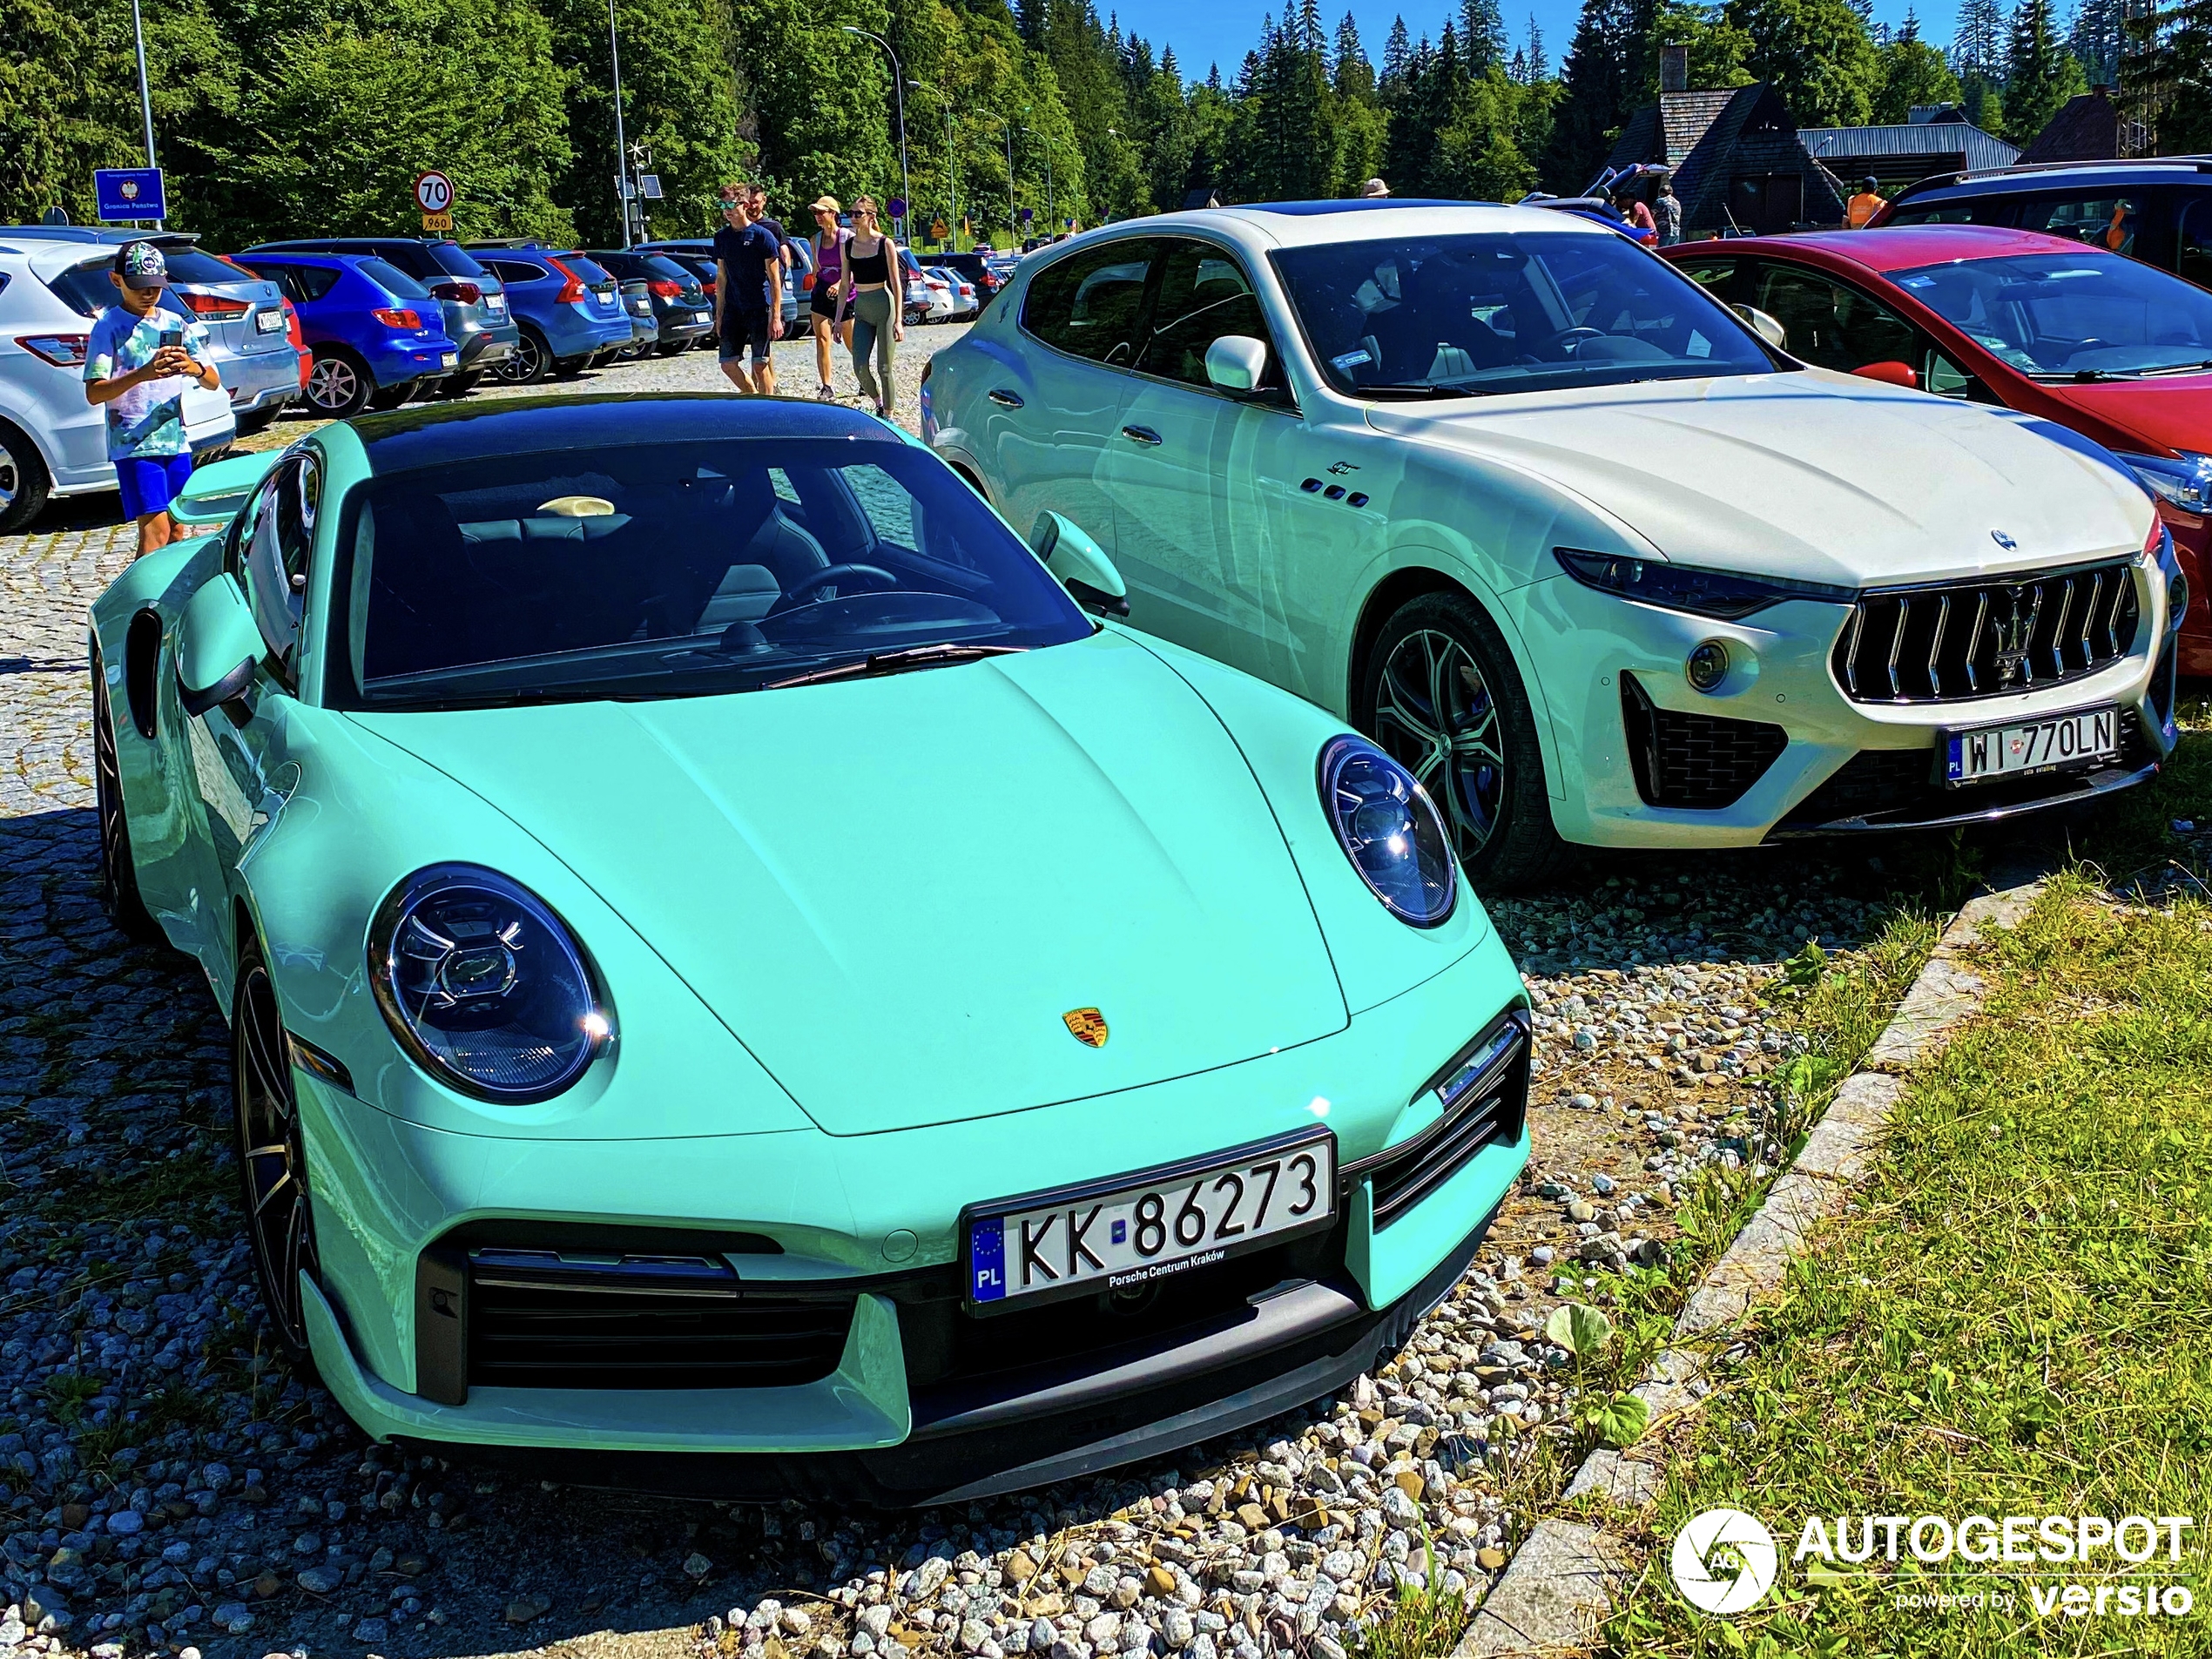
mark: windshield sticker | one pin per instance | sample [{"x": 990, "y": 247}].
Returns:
[{"x": 1351, "y": 358}]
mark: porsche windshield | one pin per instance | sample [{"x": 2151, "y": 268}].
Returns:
[
  {"x": 674, "y": 569},
  {"x": 1530, "y": 311},
  {"x": 2077, "y": 313}
]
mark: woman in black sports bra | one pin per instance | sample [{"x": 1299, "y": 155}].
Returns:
[{"x": 873, "y": 292}]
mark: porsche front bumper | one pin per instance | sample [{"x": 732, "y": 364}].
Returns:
[{"x": 912, "y": 1398}]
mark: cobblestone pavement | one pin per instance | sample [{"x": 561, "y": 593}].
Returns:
[{"x": 165, "y": 1482}]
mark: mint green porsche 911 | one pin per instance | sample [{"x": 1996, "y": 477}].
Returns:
[{"x": 743, "y": 975}]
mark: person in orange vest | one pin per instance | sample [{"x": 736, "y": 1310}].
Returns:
[
  {"x": 2119, "y": 235},
  {"x": 1863, "y": 205}
]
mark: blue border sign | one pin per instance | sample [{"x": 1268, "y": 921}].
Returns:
[{"x": 129, "y": 192}]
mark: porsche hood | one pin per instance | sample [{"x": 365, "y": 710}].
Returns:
[
  {"x": 1805, "y": 474},
  {"x": 925, "y": 897}
]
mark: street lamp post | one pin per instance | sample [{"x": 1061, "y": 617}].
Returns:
[
  {"x": 1012, "y": 222},
  {"x": 899, "y": 102},
  {"x": 622, "y": 149},
  {"x": 952, "y": 164},
  {"x": 146, "y": 97}
]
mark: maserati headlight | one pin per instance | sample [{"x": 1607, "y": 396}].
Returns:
[
  {"x": 2185, "y": 480},
  {"x": 1389, "y": 830},
  {"x": 483, "y": 985},
  {"x": 1722, "y": 594}
]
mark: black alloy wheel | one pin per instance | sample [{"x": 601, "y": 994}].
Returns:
[
  {"x": 119, "y": 895},
  {"x": 272, "y": 1157},
  {"x": 1443, "y": 699},
  {"x": 528, "y": 363}
]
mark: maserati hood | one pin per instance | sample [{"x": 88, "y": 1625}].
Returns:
[
  {"x": 1817, "y": 477},
  {"x": 892, "y": 890}
]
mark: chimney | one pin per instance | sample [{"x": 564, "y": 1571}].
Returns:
[{"x": 1674, "y": 69}]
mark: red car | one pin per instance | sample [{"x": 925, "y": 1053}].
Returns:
[{"x": 2113, "y": 349}]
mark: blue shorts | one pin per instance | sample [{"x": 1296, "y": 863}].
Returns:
[{"x": 151, "y": 483}]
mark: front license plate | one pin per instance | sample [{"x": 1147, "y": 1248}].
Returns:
[
  {"x": 2032, "y": 745},
  {"x": 1130, "y": 1230}
]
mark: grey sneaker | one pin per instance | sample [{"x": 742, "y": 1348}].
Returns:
[{"x": 828, "y": 395}]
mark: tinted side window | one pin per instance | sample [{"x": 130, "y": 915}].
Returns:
[
  {"x": 1949, "y": 213},
  {"x": 301, "y": 283},
  {"x": 1088, "y": 304},
  {"x": 2103, "y": 219},
  {"x": 513, "y": 271},
  {"x": 411, "y": 257},
  {"x": 1204, "y": 296},
  {"x": 1831, "y": 325},
  {"x": 2194, "y": 259}
]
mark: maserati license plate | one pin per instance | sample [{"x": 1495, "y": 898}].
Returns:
[
  {"x": 2032, "y": 745},
  {"x": 1131, "y": 1230}
]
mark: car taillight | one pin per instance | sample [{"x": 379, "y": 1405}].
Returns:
[
  {"x": 467, "y": 294},
  {"x": 407, "y": 318},
  {"x": 571, "y": 292},
  {"x": 62, "y": 351},
  {"x": 217, "y": 307},
  {"x": 661, "y": 288}
]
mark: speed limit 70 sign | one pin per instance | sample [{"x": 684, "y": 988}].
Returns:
[{"x": 433, "y": 192}]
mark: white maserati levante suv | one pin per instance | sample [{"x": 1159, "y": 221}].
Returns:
[{"x": 1564, "y": 534}]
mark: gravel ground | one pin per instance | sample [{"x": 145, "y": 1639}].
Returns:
[{"x": 165, "y": 1483}]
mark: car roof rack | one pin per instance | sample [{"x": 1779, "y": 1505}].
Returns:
[{"x": 1959, "y": 176}]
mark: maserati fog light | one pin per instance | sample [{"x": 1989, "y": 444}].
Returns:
[{"x": 1707, "y": 665}]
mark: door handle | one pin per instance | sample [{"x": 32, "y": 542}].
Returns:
[
  {"x": 1143, "y": 434},
  {"x": 1005, "y": 400}
]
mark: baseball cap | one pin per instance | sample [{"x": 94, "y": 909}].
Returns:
[
  {"x": 824, "y": 205},
  {"x": 141, "y": 265}
]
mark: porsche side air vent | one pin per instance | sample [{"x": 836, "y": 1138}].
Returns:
[
  {"x": 507, "y": 1318},
  {"x": 1484, "y": 1091},
  {"x": 1983, "y": 638}
]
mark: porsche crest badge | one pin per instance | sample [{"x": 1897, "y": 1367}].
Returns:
[{"x": 1086, "y": 1026}]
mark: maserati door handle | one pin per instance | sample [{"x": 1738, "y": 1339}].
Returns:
[
  {"x": 1006, "y": 400},
  {"x": 1143, "y": 434}
]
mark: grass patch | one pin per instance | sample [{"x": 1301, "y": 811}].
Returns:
[{"x": 2018, "y": 1320}]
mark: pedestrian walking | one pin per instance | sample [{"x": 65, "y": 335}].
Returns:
[
  {"x": 757, "y": 206},
  {"x": 829, "y": 319},
  {"x": 874, "y": 291},
  {"x": 138, "y": 359},
  {"x": 748, "y": 294},
  {"x": 1669, "y": 211}
]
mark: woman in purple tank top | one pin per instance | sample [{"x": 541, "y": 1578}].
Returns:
[{"x": 830, "y": 321}]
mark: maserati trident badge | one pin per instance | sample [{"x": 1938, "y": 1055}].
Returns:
[
  {"x": 1086, "y": 1026},
  {"x": 2012, "y": 633}
]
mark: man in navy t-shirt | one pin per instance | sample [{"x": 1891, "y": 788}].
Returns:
[{"x": 748, "y": 294}]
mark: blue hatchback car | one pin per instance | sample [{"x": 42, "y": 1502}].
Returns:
[
  {"x": 375, "y": 332},
  {"x": 569, "y": 307}
]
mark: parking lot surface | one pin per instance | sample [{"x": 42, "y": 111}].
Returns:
[{"x": 165, "y": 1481}]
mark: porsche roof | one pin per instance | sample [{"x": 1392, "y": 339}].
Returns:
[
  {"x": 435, "y": 433},
  {"x": 1304, "y": 224}
]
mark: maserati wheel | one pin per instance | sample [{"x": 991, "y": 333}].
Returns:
[{"x": 1443, "y": 697}]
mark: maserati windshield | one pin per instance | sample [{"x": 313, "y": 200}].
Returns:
[
  {"x": 674, "y": 570},
  {"x": 1523, "y": 311},
  {"x": 2075, "y": 314}
]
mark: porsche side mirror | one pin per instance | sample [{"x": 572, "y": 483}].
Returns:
[
  {"x": 218, "y": 645},
  {"x": 219, "y": 489},
  {"x": 1080, "y": 566},
  {"x": 1890, "y": 374},
  {"x": 1766, "y": 326},
  {"x": 1235, "y": 363}
]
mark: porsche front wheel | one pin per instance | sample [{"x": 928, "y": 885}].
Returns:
[
  {"x": 272, "y": 1156},
  {"x": 1441, "y": 694}
]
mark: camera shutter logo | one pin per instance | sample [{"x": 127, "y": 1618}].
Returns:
[{"x": 1723, "y": 1560}]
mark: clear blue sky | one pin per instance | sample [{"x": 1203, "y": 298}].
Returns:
[{"x": 1224, "y": 30}]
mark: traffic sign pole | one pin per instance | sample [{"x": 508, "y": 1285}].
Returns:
[{"x": 146, "y": 97}]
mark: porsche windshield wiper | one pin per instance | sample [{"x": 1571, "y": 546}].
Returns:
[{"x": 895, "y": 662}]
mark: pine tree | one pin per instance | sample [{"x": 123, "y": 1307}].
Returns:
[
  {"x": 1594, "y": 86},
  {"x": 1978, "y": 40},
  {"x": 1913, "y": 72},
  {"x": 2096, "y": 39},
  {"x": 2169, "y": 63},
  {"x": 1540, "y": 69},
  {"x": 1816, "y": 53},
  {"x": 1397, "y": 59},
  {"x": 1355, "y": 75},
  {"x": 2040, "y": 73},
  {"x": 1482, "y": 35}
]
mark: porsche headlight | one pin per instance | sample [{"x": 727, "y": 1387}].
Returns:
[
  {"x": 483, "y": 985},
  {"x": 1390, "y": 831}
]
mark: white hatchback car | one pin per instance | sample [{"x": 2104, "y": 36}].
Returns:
[
  {"x": 1566, "y": 536},
  {"x": 53, "y": 442}
]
